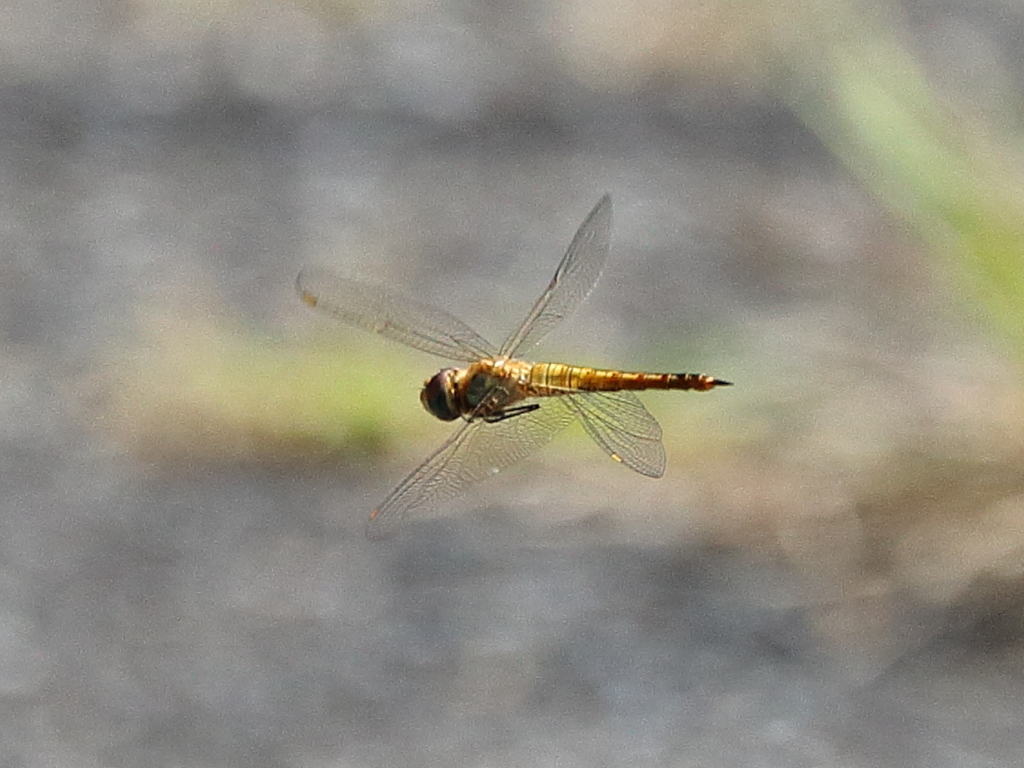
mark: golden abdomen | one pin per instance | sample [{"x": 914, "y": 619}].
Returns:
[{"x": 546, "y": 379}]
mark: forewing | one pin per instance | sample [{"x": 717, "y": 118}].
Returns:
[
  {"x": 574, "y": 279},
  {"x": 476, "y": 451},
  {"x": 399, "y": 318},
  {"x": 623, "y": 427}
]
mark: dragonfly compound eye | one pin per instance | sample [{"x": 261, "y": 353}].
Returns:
[{"x": 437, "y": 396}]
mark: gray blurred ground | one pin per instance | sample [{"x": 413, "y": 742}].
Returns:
[{"x": 828, "y": 575}]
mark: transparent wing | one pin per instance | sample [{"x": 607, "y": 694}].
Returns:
[
  {"x": 573, "y": 280},
  {"x": 623, "y": 427},
  {"x": 376, "y": 309},
  {"x": 476, "y": 451}
]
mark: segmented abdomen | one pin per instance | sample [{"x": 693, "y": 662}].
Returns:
[{"x": 550, "y": 378}]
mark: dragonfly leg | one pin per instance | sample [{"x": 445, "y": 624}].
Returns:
[{"x": 508, "y": 413}]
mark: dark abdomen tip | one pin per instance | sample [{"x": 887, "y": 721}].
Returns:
[{"x": 698, "y": 381}]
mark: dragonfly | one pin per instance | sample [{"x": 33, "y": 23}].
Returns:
[{"x": 506, "y": 407}]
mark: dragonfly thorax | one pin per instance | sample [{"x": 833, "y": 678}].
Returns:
[
  {"x": 482, "y": 390},
  {"x": 438, "y": 395}
]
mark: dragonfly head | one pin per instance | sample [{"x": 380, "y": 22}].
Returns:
[{"x": 438, "y": 395}]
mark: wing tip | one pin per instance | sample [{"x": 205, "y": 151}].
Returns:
[
  {"x": 301, "y": 281},
  {"x": 377, "y": 529}
]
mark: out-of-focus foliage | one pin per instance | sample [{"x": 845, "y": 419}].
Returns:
[
  {"x": 202, "y": 393},
  {"x": 943, "y": 169}
]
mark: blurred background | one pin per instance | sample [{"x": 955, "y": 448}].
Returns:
[{"x": 819, "y": 201}]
